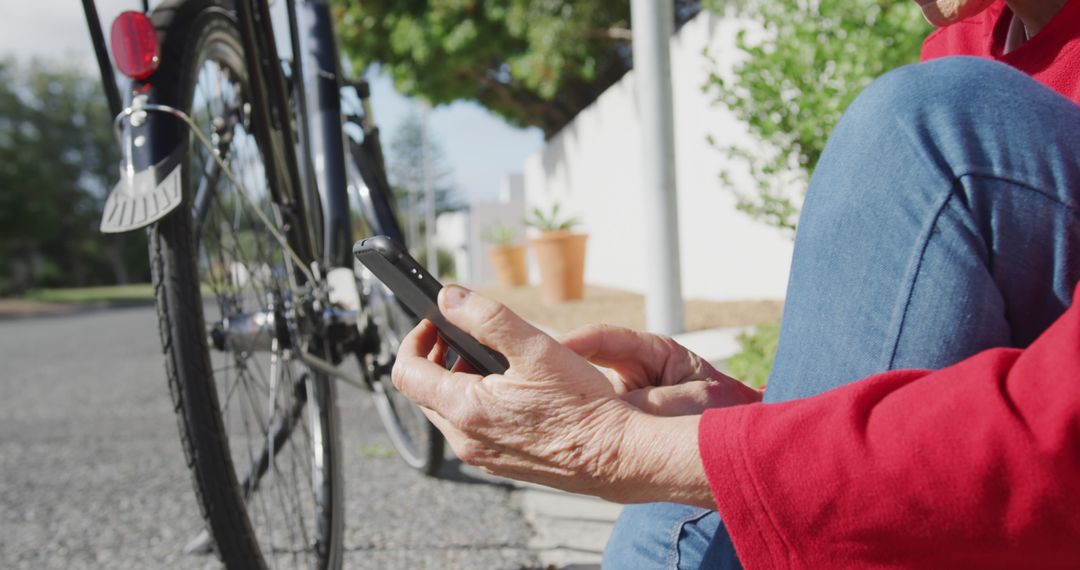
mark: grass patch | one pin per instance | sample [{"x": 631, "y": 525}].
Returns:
[
  {"x": 377, "y": 450},
  {"x": 115, "y": 294}
]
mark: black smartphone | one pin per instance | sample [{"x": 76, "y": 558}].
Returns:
[{"x": 418, "y": 292}]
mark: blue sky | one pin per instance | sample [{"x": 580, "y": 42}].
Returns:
[{"x": 479, "y": 146}]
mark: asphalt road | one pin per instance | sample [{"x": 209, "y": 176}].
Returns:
[{"x": 92, "y": 475}]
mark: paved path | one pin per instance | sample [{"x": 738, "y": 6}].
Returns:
[{"x": 93, "y": 475}]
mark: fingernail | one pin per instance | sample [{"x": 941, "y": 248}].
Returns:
[{"x": 455, "y": 296}]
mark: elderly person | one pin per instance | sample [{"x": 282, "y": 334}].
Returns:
[{"x": 924, "y": 407}]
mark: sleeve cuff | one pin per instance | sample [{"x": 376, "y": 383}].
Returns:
[{"x": 722, "y": 435}]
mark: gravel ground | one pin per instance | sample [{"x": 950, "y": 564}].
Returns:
[{"x": 93, "y": 474}]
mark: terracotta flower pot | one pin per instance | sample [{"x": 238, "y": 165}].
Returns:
[
  {"x": 561, "y": 257},
  {"x": 509, "y": 264}
]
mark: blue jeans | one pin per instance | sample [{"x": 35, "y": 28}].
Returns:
[{"x": 943, "y": 219}]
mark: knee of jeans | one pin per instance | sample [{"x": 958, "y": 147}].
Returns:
[
  {"x": 934, "y": 100},
  {"x": 912, "y": 93}
]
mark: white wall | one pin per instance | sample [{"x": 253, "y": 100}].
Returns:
[
  {"x": 509, "y": 210},
  {"x": 452, "y": 234},
  {"x": 591, "y": 167}
]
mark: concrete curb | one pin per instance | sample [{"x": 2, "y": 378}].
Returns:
[{"x": 570, "y": 531}]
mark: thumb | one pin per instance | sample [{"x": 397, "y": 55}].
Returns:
[
  {"x": 490, "y": 322},
  {"x": 609, "y": 345},
  {"x": 687, "y": 399}
]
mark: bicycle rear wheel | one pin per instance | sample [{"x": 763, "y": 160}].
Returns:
[{"x": 258, "y": 427}]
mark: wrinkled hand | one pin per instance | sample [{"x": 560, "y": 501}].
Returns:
[
  {"x": 657, "y": 374},
  {"x": 552, "y": 418}
]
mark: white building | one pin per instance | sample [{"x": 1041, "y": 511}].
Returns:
[{"x": 591, "y": 168}]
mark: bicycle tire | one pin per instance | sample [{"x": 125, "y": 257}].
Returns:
[
  {"x": 196, "y": 36},
  {"x": 418, "y": 442}
]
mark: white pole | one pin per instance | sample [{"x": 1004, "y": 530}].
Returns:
[
  {"x": 653, "y": 23},
  {"x": 429, "y": 191}
]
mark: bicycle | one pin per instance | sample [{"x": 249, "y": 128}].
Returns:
[{"x": 249, "y": 174}]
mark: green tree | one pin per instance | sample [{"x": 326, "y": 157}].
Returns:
[
  {"x": 805, "y": 61},
  {"x": 58, "y": 157},
  {"x": 533, "y": 62},
  {"x": 405, "y": 165}
]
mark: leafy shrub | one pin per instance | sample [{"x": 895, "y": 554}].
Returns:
[
  {"x": 498, "y": 233},
  {"x": 551, "y": 221},
  {"x": 805, "y": 63},
  {"x": 755, "y": 357}
]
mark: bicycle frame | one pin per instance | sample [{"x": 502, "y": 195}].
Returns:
[
  {"x": 308, "y": 180},
  {"x": 307, "y": 174},
  {"x": 320, "y": 308}
]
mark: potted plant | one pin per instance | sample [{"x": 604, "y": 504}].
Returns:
[
  {"x": 507, "y": 257},
  {"x": 560, "y": 253}
]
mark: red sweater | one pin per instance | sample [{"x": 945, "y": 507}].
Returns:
[
  {"x": 1052, "y": 56},
  {"x": 973, "y": 466}
]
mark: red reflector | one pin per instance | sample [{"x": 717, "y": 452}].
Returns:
[{"x": 134, "y": 45}]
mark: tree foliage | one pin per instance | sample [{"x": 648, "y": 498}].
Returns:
[
  {"x": 58, "y": 157},
  {"x": 533, "y": 62},
  {"x": 406, "y": 165},
  {"x": 806, "y": 60}
]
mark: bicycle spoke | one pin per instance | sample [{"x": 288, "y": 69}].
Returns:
[
  {"x": 271, "y": 446},
  {"x": 260, "y": 497}
]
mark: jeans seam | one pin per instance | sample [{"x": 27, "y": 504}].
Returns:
[
  {"x": 928, "y": 234},
  {"x": 913, "y": 275},
  {"x": 1015, "y": 180},
  {"x": 674, "y": 556}
]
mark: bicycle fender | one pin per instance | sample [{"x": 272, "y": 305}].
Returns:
[
  {"x": 150, "y": 185},
  {"x": 143, "y": 197}
]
